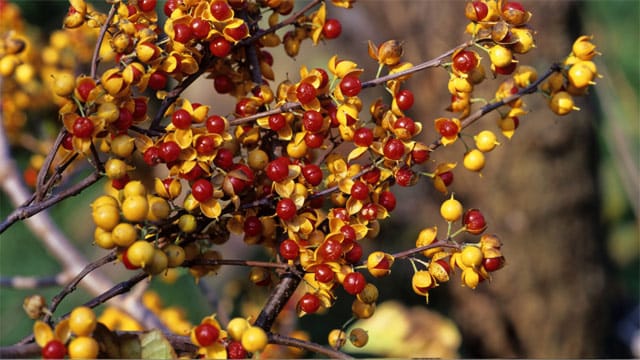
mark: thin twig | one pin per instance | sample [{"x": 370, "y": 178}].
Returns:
[
  {"x": 96, "y": 50},
  {"x": 35, "y": 282},
  {"x": 308, "y": 345},
  {"x": 235, "y": 262},
  {"x": 277, "y": 300}
]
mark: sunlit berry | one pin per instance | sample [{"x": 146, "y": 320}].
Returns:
[
  {"x": 83, "y": 127},
  {"x": 354, "y": 283},
  {"x": 169, "y": 151},
  {"x": 471, "y": 256},
  {"x": 474, "y": 221},
  {"x": 465, "y": 61},
  {"x": 500, "y": 56},
  {"x": 486, "y": 140},
  {"x": 451, "y": 209},
  {"x": 476, "y": 10},
  {"x": 474, "y": 160},
  {"x": 312, "y": 174},
  {"x": 236, "y": 327},
  {"x": 278, "y": 169},
  {"x": 286, "y": 209},
  {"x": 83, "y": 347},
  {"x": 140, "y": 253},
  {"x": 331, "y": 29},
  {"x": 82, "y": 321},
  {"x": 305, "y": 92},
  {"x": 393, "y": 149},
  {"x": 379, "y": 263},
  {"x": 493, "y": 264},
  {"x": 337, "y": 338},
  {"x": 202, "y": 190},
  {"x": 135, "y": 208},
  {"x": 404, "y": 99},
  {"x": 323, "y": 273},
  {"x": 350, "y": 85},
  {"x": 309, "y": 303},
  {"x": 219, "y": 46},
  {"x": 124, "y": 234},
  {"x": 404, "y": 176}
]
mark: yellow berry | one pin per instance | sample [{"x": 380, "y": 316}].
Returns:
[
  {"x": 159, "y": 208},
  {"x": 175, "y": 255},
  {"x": 122, "y": 146},
  {"x": 158, "y": 264},
  {"x": 83, "y": 347},
  {"x": 474, "y": 160},
  {"x": 135, "y": 208},
  {"x": 106, "y": 217},
  {"x": 471, "y": 256},
  {"x": 24, "y": 73},
  {"x": 124, "y": 234},
  {"x": 237, "y": 327},
  {"x": 297, "y": 150},
  {"x": 82, "y": 321},
  {"x": 115, "y": 168},
  {"x": 561, "y": 103},
  {"x": 63, "y": 84},
  {"x": 451, "y": 209},
  {"x": 485, "y": 140},
  {"x": 140, "y": 253},
  {"x": 258, "y": 159},
  {"x": 337, "y": 338},
  {"x": 134, "y": 188},
  {"x": 581, "y": 74},
  {"x": 500, "y": 56},
  {"x": 103, "y": 238},
  {"x": 8, "y": 64},
  {"x": 254, "y": 339},
  {"x": 187, "y": 223}
]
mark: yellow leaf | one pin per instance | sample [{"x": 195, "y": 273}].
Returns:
[
  {"x": 42, "y": 332},
  {"x": 357, "y": 152},
  {"x": 284, "y": 189}
]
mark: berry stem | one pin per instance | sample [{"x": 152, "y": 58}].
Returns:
[
  {"x": 319, "y": 349},
  {"x": 96, "y": 50}
]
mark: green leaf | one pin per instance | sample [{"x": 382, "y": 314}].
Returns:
[{"x": 156, "y": 346}]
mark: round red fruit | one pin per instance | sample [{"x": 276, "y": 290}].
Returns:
[
  {"x": 181, "y": 119},
  {"x": 147, "y": 5},
  {"x": 202, "y": 190},
  {"x": 224, "y": 159},
  {"x": 388, "y": 200},
  {"x": 354, "y": 283},
  {"x": 182, "y": 33},
  {"x": 448, "y": 128},
  {"x": 309, "y": 303},
  {"x": 289, "y": 249},
  {"x": 286, "y": 209},
  {"x": 169, "y": 151},
  {"x": 220, "y": 10},
  {"x": 223, "y": 84},
  {"x": 158, "y": 80},
  {"x": 363, "y": 137},
  {"x": 313, "y": 140},
  {"x": 332, "y": 28},
  {"x": 312, "y": 120},
  {"x": 305, "y": 93},
  {"x": 312, "y": 174},
  {"x": 404, "y": 175},
  {"x": 354, "y": 255},
  {"x": 54, "y": 349},
  {"x": 359, "y": 190},
  {"x": 474, "y": 221},
  {"x": 277, "y": 122},
  {"x": 350, "y": 85},
  {"x": 493, "y": 264},
  {"x": 278, "y": 169},
  {"x": 465, "y": 61},
  {"x": 236, "y": 351},
  {"x": 200, "y": 28},
  {"x": 83, "y": 127},
  {"x": 330, "y": 250},
  {"x": 252, "y": 226},
  {"x": 219, "y": 46},
  {"x": 393, "y": 149},
  {"x": 323, "y": 273},
  {"x": 404, "y": 99},
  {"x": 206, "y": 334}
]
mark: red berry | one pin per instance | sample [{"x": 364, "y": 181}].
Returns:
[
  {"x": 119, "y": 184},
  {"x": 200, "y": 28},
  {"x": 237, "y": 33},
  {"x": 206, "y": 334},
  {"x": 219, "y": 46},
  {"x": 223, "y": 84},
  {"x": 202, "y": 190},
  {"x": 404, "y": 175},
  {"x": 305, "y": 92},
  {"x": 151, "y": 156},
  {"x": 465, "y": 61},
  {"x": 182, "y": 33},
  {"x": 512, "y": 5},
  {"x": 224, "y": 159},
  {"x": 372, "y": 176},
  {"x": 388, "y": 200},
  {"x": 193, "y": 174},
  {"x": 83, "y": 127},
  {"x": 448, "y": 128},
  {"x": 246, "y": 107},
  {"x": 278, "y": 169},
  {"x": 349, "y": 233},
  {"x": 239, "y": 184},
  {"x": 354, "y": 255},
  {"x": 289, "y": 249},
  {"x": 324, "y": 78},
  {"x": 252, "y": 226},
  {"x": 354, "y": 283},
  {"x": 54, "y": 349},
  {"x": 124, "y": 121},
  {"x": 158, "y": 80},
  {"x": 447, "y": 177},
  {"x": 369, "y": 212},
  {"x": 330, "y": 250},
  {"x": 84, "y": 87},
  {"x": 324, "y": 273},
  {"x": 277, "y": 122},
  {"x": 419, "y": 155},
  {"x": 406, "y": 123},
  {"x": 286, "y": 209},
  {"x": 147, "y": 5},
  {"x": 127, "y": 264},
  {"x": 169, "y": 6},
  {"x": 236, "y": 351},
  {"x": 341, "y": 213},
  {"x": 181, "y": 119},
  {"x": 309, "y": 303},
  {"x": 313, "y": 140},
  {"x": 493, "y": 264},
  {"x": 67, "y": 141},
  {"x": 506, "y": 70},
  {"x": 331, "y": 29},
  {"x": 205, "y": 145},
  {"x": 404, "y": 99},
  {"x": 221, "y": 10},
  {"x": 474, "y": 221},
  {"x": 363, "y": 137},
  {"x": 312, "y": 174},
  {"x": 266, "y": 57},
  {"x": 140, "y": 109},
  {"x": 359, "y": 190},
  {"x": 481, "y": 8},
  {"x": 215, "y": 124},
  {"x": 350, "y": 85},
  {"x": 169, "y": 151},
  {"x": 312, "y": 120},
  {"x": 393, "y": 149}
]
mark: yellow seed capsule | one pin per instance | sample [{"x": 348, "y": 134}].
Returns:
[
  {"x": 500, "y": 56},
  {"x": 337, "y": 338},
  {"x": 474, "y": 160},
  {"x": 140, "y": 253},
  {"x": 124, "y": 234},
  {"x": 561, "y": 103},
  {"x": 82, "y": 321},
  {"x": 451, "y": 209},
  {"x": 254, "y": 339},
  {"x": 158, "y": 263},
  {"x": 583, "y": 48},
  {"x": 83, "y": 347},
  {"x": 471, "y": 256},
  {"x": 237, "y": 327},
  {"x": 486, "y": 140},
  {"x": 135, "y": 208}
]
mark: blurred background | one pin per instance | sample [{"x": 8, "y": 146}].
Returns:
[{"x": 563, "y": 196}]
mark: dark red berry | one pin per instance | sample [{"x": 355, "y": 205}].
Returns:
[
  {"x": 236, "y": 351},
  {"x": 202, "y": 190},
  {"x": 312, "y": 174},
  {"x": 252, "y": 226},
  {"x": 158, "y": 80},
  {"x": 219, "y": 46},
  {"x": 388, "y": 200},
  {"x": 332, "y": 28},
  {"x": 83, "y": 127},
  {"x": 324, "y": 273},
  {"x": 220, "y": 10},
  {"x": 309, "y": 303},
  {"x": 369, "y": 212},
  {"x": 350, "y": 85},
  {"x": 54, "y": 349},
  {"x": 372, "y": 176},
  {"x": 278, "y": 169},
  {"x": 182, "y": 32},
  {"x": 224, "y": 159},
  {"x": 393, "y": 149},
  {"x": 447, "y": 177},
  {"x": 286, "y": 209},
  {"x": 312, "y": 120},
  {"x": 147, "y": 5},
  {"x": 404, "y": 175},
  {"x": 359, "y": 190},
  {"x": 169, "y": 151},
  {"x": 223, "y": 84},
  {"x": 465, "y": 61},
  {"x": 305, "y": 92},
  {"x": 205, "y": 145},
  {"x": 151, "y": 156},
  {"x": 330, "y": 250},
  {"x": 206, "y": 334},
  {"x": 181, "y": 119},
  {"x": 474, "y": 221},
  {"x": 354, "y": 283},
  {"x": 289, "y": 249},
  {"x": 404, "y": 99},
  {"x": 363, "y": 137},
  {"x": 313, "y": 140},
  {"x": 215, "y": 124},
  {"x": 448, "y": 128},
  {"x": 277, "y": 122},
  {"x": 493, "y": 264},
  {"x": 354, "y": 255},
  {"x": 200, "y": 28}
]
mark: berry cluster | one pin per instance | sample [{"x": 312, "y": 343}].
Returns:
[{"x": 302, "y": 168}]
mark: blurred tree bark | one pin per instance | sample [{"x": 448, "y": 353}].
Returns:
[{"x": 538, "y": 192}]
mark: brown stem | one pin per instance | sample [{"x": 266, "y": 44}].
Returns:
[
  {"x": 277, "y": 300},
  {"x": 42, "y": 174},
  {"x": 71, "y": 286},
  {"x": 407, "y": 253},
  {"x": 25, "y": 212},
  {"x": 96, "y": 50},
  {"x": 209, "y": 262}
]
